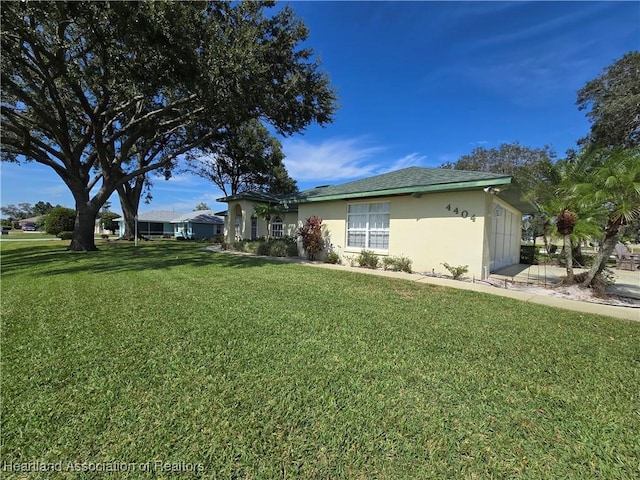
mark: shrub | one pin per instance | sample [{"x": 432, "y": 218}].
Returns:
[
  {"x": 274, "y": 247},
  {"x": 263, "y": 249},
  {"x": 60, "y": 219},
  {"x": 456, "y": 272},
  {"x": 351, "y": 260},
  {"x": 218, "y": 239},
  {"x": 397, "y": 264},
  {"x": 65, "y": 235},
  {"x": 311, "y": 235},
  {"x": 367, "y": 259},
  {"x": 332, "y": 257},
  {"x": 282, "y": 247}
]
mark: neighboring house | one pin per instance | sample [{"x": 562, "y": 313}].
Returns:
[
  {"x": 162, "y": 223},
  {"x": 31, "y": 224},
  {"x": 432, "y": 216},
  {"x": 198, "y": 224}
]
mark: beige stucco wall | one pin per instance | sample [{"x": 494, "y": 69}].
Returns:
[
  {"x": 458, "y": 228},
  {"x": 244, "y": 210},
  {"x": 424, "y": 230}
]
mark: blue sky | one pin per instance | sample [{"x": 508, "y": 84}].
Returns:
[{"x": 421, "y": 83}]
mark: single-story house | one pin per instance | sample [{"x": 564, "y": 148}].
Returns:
[
  {"x": 430, "y": 215},
  {"x": 198, "y": 224},
  {"x": 32, "y": 223},
  {"x": 162, "y": 223}
]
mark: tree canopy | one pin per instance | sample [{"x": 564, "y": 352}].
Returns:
[
  {"x": 242, "y": 158},
  {"x": 26, "y": 210},
  {"x": 103, "y": 92},
  {"x": 612, "y": 101},
  {"x": 525, "y": 164}
]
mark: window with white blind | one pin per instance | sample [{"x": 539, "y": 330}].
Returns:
[{"x": 368, "y": 225}]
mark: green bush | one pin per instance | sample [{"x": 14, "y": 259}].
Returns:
[
  {"x": 283, "y": 247},
  {"x": 65, "y": 235},
  {"x": 60, "y": 219},
  {"x": 456, "y": 272},
  {"x": 368, "y": 259},
  {"x": 332, "y": 257},
  {"x": 263, "y": 249},
  {"x": 397, "y": 264},
  {"x": 274, "y": 247}
]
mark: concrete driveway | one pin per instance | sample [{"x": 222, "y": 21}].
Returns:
[{"x": 627, "y": 282}]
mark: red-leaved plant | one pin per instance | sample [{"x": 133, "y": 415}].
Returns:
[{"x": 311, "y": 235}]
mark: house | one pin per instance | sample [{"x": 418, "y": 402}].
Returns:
[
  {"x": 198, "y": 224},
  {"x": 432, "y": 216},
  {"x": 31, "y": 224},
  {"x": 162, "y": 223}
]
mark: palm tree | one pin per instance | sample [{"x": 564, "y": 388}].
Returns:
[
  {"x": 566, "y": 222},
  {"x": 613, "y": 183},
  {"x": 572, "y": 221}
]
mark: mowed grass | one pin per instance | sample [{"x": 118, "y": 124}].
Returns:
[{"x": 260, "y": 370}]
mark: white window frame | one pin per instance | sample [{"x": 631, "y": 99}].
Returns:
[
  {"x": 368, "y": 228},
  {"x": 277, "y": 228}
]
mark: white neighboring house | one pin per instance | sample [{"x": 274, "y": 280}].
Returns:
[{"x": 162, "y": 223}]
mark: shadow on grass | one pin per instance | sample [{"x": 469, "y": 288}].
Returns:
[{"x": 115, "y": 257}]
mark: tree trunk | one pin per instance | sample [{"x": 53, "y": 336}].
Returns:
[
  {"x": 83, "y": 230},
  {"x": 568, "y": 258},
  {"x": 130, "y": 201},
  {"x": 611, "y": 237}
]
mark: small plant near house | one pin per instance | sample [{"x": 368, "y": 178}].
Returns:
[
  {"x": 456, "y": 272},
  {"x": 397, "y": 264},
  {"x": 332, "y": 257},
  {"x": 368, "y": 259},
  {"x": 351, "y": 260},
  {"x": 311, "y": 235}
]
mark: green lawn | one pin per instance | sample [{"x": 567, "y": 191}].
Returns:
[
  {"x": 247, "y": 368},
  {"x": 20, "y": 235}
]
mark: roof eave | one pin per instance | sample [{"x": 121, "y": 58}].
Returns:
[{"x": 415, "y": 190}]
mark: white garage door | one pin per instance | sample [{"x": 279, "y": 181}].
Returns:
[{"x": 505, "y": 240}]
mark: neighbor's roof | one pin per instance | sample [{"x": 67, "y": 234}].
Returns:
[
  {"x": 412, "y": 180},
  {"x": 199, "y": 216},
  {"x": 164, "y": 216}
]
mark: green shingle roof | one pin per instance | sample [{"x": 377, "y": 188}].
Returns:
[
  {"x": 408, "y": 181},
  {"x": 412, "y": 180}
]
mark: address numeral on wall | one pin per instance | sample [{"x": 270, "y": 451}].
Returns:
[{"x": 463, "y": 213}]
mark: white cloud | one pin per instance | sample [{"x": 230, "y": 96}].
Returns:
[
  {"x": 333, "y": 159},
  {"x": 411, "y": 160},
  {"x": 340, "y": 159}
]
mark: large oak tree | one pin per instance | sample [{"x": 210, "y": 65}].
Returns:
[{"x": 103, "y": 92}]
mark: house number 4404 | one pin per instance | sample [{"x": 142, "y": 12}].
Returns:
[{"x": 463, "y": 213}]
